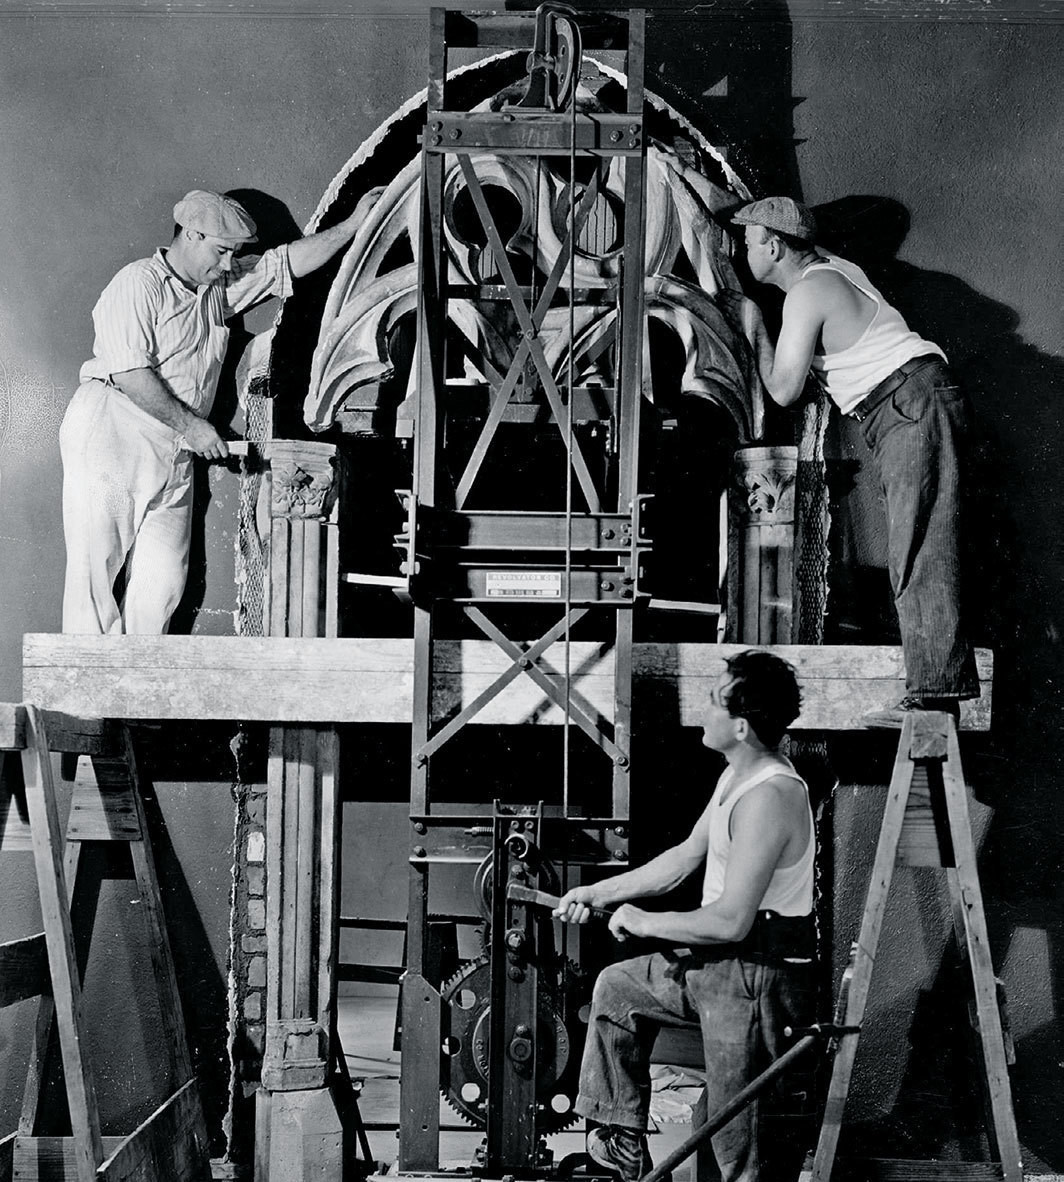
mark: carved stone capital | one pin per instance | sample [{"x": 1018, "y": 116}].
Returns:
[
  {"x": 297, "y": 1053},
  {"x": 304, "y": 478},
  {"x": 765, "y": 478}
]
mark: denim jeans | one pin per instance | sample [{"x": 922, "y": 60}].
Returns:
[
  {"x": 741, "y": 1007},
  {"x": 918, "y": 436}
]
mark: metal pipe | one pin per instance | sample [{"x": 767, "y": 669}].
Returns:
[{"x": 736, "y": 1104}]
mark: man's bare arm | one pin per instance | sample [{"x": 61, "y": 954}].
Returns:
[
  {"x": 314, "y": 251},
  {"x": 655, "y": 877},
  {"x": 762, "y": 824},
  {"x": 146, "y": 389},
  {"x": 785, "y": 368}
]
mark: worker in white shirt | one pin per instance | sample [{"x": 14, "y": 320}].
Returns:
[{"x": 141, "y": 411}]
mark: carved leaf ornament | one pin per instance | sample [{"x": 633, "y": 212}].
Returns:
[{"x": 691, "y": 287}]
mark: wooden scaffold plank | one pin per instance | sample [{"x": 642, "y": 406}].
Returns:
[{"x": 318, "y": 680}]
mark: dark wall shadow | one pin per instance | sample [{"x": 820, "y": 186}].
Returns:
[
  {"x": 1016, "y": 582},
  {"x": 193, "y": 753},
  {"x": 732, "y": 78}
]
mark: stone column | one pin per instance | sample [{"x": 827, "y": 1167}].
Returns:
[
  {"x": 298, "y": 1133},
  {"x": 761, "y": 545}
]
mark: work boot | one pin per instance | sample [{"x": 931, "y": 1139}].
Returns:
[
  {"x": 892, "y": 717},
  {"x": 622, "y": 1151}
]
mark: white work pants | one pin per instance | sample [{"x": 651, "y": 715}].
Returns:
[{"x": 127, "y": 501}]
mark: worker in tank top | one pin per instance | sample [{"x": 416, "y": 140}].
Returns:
[
  {"x": 790, "y": 889},
  {"x": 740, "y": 965},
  {"x": 914, "y": 419}
]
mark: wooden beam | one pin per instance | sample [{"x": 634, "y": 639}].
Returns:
[
  {"x": 85, "y": 736},
  {"x": 266, "y": 679}
]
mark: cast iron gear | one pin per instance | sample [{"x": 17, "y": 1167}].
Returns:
[{"x": 559, "y": 1042}]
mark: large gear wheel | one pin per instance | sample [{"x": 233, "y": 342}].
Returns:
[{"x": 466, "y": 1054}]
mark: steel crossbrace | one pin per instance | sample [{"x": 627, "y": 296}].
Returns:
[
  {"x": 532, "y": 653},
  {"x": 566, "y": 703},
  {"x": 529, "y": 346}
]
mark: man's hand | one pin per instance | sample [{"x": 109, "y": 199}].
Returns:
[
  {"x": 204, "y": 440},
  {"x": 575, "y": 905},
  {"x": 144, "y": 388},
  {"x": 631, "y": 921}
]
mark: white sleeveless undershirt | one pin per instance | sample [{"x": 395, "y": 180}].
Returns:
[
  {"x": 886, "y": 343},
  {"x": 790, "y": 891}
]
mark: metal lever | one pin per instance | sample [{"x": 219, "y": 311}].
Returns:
[{"x": 524, "y": 894}]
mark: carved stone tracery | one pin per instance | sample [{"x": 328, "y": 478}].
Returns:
[{"x": 691, "y": 286}]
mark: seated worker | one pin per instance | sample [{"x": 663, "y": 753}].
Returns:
[
  {"x": 746, "y": 969},
  {"x": 141, "y": 411},
  {"x": 914, "y": 419}
]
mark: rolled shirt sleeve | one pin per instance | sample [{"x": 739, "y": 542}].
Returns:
[{"x": 256, "y": 277}]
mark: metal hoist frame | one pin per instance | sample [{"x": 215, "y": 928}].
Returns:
[{"x": 484, "y": 566}]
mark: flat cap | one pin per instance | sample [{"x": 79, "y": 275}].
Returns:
[
  {"x": 781, "y": 214},
  {"x": 215, "y": 215}
]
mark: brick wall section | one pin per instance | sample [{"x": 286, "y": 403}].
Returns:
[{"x": 247, "y": 965}]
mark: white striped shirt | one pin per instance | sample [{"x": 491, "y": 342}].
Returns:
[{"x": 149, "y": 318}]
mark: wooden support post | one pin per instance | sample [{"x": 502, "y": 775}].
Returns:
[
  {"x": 59, "y": 937},
  {"x": 299, "y": 1134}
]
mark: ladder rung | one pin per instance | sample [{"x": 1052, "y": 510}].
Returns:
[
  {"x": 23, "y": 969},
  {"x": 50, "y": 1159},
  {"x": 170, "y": 1143},
  {"x": 102, "y": 809},
  {"x": 885, "y": 1169}
]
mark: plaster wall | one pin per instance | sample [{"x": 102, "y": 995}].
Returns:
[{"x": 953, "y": 127}]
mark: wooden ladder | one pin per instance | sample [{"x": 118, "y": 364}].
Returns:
[
  {"x": 926, "y": 823},
  {"x": 106, "y": 806}
]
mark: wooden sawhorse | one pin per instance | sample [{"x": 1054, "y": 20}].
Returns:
[
  {"x": 106, "y": 807},
  {"x": 926, "y": 823}
]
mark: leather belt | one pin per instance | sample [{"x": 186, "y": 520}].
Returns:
[
  {"x": 888, "y": 385},
  {"x": 773, "y": 939}
]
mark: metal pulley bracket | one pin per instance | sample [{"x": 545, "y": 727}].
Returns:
[{"x": 599, "y": 133}]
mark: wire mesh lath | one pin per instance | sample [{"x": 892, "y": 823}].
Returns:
[{"x": 253, "y": 550}]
